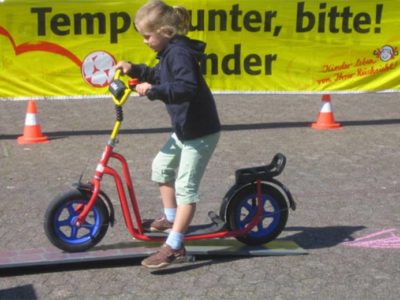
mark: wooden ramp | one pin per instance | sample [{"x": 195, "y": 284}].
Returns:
[{"x": 14, "y": 259}]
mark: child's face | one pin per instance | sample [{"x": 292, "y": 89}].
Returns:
[{"x": 153, "y": 39}]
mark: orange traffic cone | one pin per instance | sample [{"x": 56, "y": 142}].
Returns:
[
  {"x": 32, "y": 132},
  {"x": 326, "y": 120}
]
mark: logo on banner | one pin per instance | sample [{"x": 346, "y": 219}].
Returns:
[
  {"x": 386, "y": 53},
  {"x": 98, "y": 68}
]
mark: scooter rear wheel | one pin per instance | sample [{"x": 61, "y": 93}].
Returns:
[
  {"x": 243, "y": 208},
  {"x": 60, "y": 217}
]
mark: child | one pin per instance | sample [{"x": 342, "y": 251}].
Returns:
[{"x": 177, "y": 81}]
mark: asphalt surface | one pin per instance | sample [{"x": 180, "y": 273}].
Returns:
[{"x": 345, "y": 183}]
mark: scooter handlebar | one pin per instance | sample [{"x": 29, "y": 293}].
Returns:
[
  {"x": 120, "y": 92},
  {"x": 117, "y": 74}
]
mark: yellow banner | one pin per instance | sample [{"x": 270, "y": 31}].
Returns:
[{"x": 65, "y": 48}]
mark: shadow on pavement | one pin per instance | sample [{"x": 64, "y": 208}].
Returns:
[
  {"x": 19, "y": 292},
  {"x": 228, "y": 127},
  {"x": 321, "y": 237}
]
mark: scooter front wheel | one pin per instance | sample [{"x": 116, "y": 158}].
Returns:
[
  {"x": 60, "y": 219},
  {"x": 243, "y": 208}
]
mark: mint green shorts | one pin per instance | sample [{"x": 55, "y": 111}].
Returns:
[{"x": 184, "y": 163}]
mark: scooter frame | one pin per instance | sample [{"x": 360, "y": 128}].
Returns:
[{"x": 138, "y": 232}]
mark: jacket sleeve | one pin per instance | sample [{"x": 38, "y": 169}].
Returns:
[
  {"x": 182, "y": 84},
  {"x": 144, "y": 73}
]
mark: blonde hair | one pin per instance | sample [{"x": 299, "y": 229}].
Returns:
[{"x": 157, "y": 16}]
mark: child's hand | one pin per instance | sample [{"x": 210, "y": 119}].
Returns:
[
  {"x": 124, "y": 66},
  {"x": 142, "y": 88}
]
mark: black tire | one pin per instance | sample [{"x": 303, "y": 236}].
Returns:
[
  {"x": 59, "y": 222},
  {"x": 243, "y": 207}
]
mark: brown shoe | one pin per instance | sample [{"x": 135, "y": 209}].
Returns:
[
  {"x": 160, "y": 224},
  {"x": 164, "y": 257}
]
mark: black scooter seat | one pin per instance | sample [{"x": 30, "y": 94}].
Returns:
[{"x": 266, "y": 172}]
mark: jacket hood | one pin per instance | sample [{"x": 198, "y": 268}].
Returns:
[{"x": 196, "y": 47}]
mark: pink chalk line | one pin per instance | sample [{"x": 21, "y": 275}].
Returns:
[{"x": 387, "y": 240}]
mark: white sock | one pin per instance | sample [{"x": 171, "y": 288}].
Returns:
[
  {"x": 175, "y": 240},
  {"x": 170, "y": 214}
]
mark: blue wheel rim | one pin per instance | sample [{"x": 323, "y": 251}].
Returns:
[
  {"x": 65, "y": 218},
  {"x": 248, "y": 209}
]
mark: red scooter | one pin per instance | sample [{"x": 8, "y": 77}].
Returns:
[{"x": 254, "y": 210}]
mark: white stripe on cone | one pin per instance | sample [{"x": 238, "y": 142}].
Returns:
[
  {"x": 325, "y": 107},
  {"x": 30, "y": 119}
]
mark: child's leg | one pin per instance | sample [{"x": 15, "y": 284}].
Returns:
[
  {"x": 164, "y": 172},
  {"x": 184, "y": 216},
  {"x": 167, "y": 192},
  {"x": 194, "y": 159}
]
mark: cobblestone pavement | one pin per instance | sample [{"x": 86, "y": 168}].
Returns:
[{"x": 345, "y": 182}]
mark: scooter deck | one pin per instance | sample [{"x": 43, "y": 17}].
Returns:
[
  {"x": 192, "y": 230},
  {"x": 216, "y": 225},
  {"x": 30, "y": 258}
]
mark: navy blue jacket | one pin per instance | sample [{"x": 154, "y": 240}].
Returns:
[{"x": 177, "y": 81}]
